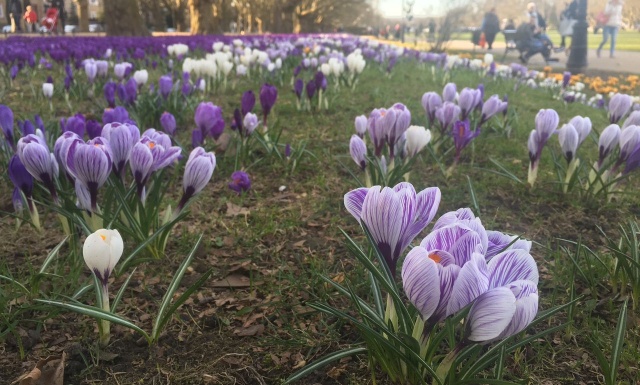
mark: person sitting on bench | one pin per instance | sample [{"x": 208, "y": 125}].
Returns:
[{"x": 528, "y": 44}]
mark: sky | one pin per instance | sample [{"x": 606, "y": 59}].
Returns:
[{"x": 393, "y": 8}]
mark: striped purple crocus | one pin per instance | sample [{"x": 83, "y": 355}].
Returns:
[
  {"x": 358, "y": 150},
  {"x": 393, "y": 216},
  {"x": 447, "y": 114},
  {"x": 396, "y": 130},
  {"x": 431, "y": 101},
  {"x": 39, "y": 161},
  {"x": 361, "y": 125},
  {"x": 378, "y": 125},
  {"x": 491, "y": 107},
  {"x": 92, "y": 162},
  {"x": 462, "y": 136},
  {"x": 468, "y": 100},
  {"x": 6, "y": 124},
  {"x": 450, "y": 92},
  {"x": 619, "y": 105},
  {"x": 121, "y": 137},
  {"x": 546, "y": 124},
  {"x": 197, "y": 173}
]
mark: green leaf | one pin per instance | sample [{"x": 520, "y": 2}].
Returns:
[
  {"x": 96, "y": 313},
  {"x": 118, "y": 297},
  {"x": 326, "y": 360},
  {"x": 52, "y": 254},
  {"x": 173, "y": 286},
  {"x": 618, "y": 343}
]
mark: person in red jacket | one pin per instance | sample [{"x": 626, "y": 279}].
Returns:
[{"x": 30, "y": 19}]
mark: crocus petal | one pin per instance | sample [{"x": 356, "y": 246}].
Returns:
[
  {"x": 472, "y": 281},
  {"x": 353, "y": 201},
  {"x": 490, "y": 314},
  {"x": 421, "y": 281},
  {"x": 510, "y": 266}
]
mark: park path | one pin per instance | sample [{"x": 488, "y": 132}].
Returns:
[{"x": 623, "y": 62}]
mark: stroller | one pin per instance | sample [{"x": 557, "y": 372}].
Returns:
[{"x": 50, "y": 21}]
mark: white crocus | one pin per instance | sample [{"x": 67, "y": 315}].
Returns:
[
  {"x": 141, "y": 77},
  {"x": 417, "y": 138},
  {"x": 488, "y": 58},
  {"x": 101, "y": 251},
  {"x": 217, "y": 46},
  {"x": 47, "y": 90}
]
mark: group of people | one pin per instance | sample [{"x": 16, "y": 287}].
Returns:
[
  {"x": 531, "y": 36},
  {"x": 30, "y": 16}
]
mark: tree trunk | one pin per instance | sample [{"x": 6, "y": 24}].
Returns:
[
  {"x": 159, "y": 22},
  {"x": 179, "y": 22},
  {"x": 83, "y": 15},
  {"x": 122, "y": 18},
  {"x": 202, "y": 20}
]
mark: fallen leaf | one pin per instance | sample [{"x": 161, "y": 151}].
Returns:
[
  {"x": 48, "y": 371},
  {"x": 235, "y": 210},
  {"x": 236, "y": 280},
  {"x": 253, "y": 330}
]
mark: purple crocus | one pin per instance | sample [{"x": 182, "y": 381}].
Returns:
[
  {"x": 6, "y": 123},
  {"x": 141, "y": 163},
  {"x": 13, "y": 72},
  {"x": 491, "y": 107},
  {"x": 168, "y": 123},
  {"x": 568, "y": 138},
  {"x": 91, "y": 69},
  {"x": 431, "y": 101},
  {"x": 121, "y": 138},
  {"x": 268, "y": 97},
  {"x": 447, "y": 114},
  {"x": 566, "y": 78},
  {"x": 377, "y": 125},
  {"x": 115, "y": 115},
  {"x": 92, "y": 165},
  {"x": 608, "y": 141},
  {"x": 131, "y": 88},
  {"x": 39, "y": 161},
  {"x": 247, "y": 102},
  {"x": 287, "y": 151},
  {"x": 619, "y": 105},
  {"x": 197, "y": 173},
  {"x": 499, "y": 242},
  {"x": 165, "y": 85},
  {"x": 468, "y": 100},
  {"x": 94, "y": 129},
  {"x": 21, "y": 178},
  {"x": 298, "y": 87},
  {"x": 394, "y": 216},
  {"x": 546, "y": 124},
  {"x": 450, "y": 92},
  {"x": 310, "y": 88},
  {"x": 320, "y": 81},
  {"x": 361, "y": 125},
  {"x": 240, "y": 182},
  {"x": 75, "y": 124},
  {"x": 462, "y": 136},
  {"x": 358, "y": 150},
  {"x": 110, "y": 93},
  {"x": 209, "y": 120},
  {"x": 399, "y": 127}
]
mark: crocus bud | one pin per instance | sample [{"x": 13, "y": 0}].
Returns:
[
  {"x": 250, "y": 123},
  {"x": 121, "y": 137},
  {"x": 629, "y": 138},
  {"x": 582, "y": 126},
  {"x": 431, "y": 101},
  {"x": 94, "y": 129},
  {"x": 298, "y": 87},
  {"x": 467, "y": 101},
  {"x": 491, "y": 107},
  {"x": 361, "y": 125},
  {"x": 110, "y": 93},
  {"x": 6, "y": 123},
  {"x": 20, "y": 177},
  {"x": 168, "y": 123},
  {"x": 546, "y": 124},
  {"x": 141, "y": 77},
  {"x": 247, "y": 102},
  {"x": 619, "y": 105},
  {"x": 197, "y": 173},
  {"x": 608, "y": 141},
  {"x": 91, "y": 165},
  {"x": 240, "y": 182},
  {"x": 450, "y": 92},
  {"x": 417, "y": 138},
  {"x": 268, "y": 97},
  {"x": 632, "y": 120},
  {"x": 91, "y": 69},
  {"x": 568, "y": 137},
  {"x": 47, "y": 90},
  {"x": 208, "y": 118},
  {"x": 165, "y": 84},
  {"x": 358, "y": 150},
  {"x": 102, "y": 251}
]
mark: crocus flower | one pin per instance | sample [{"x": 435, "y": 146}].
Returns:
[
  {"x": 499, "y": 242},
  {"x": 608, "y": 140},
  {"x": 47, "y": 90},
  {"x": 91, "y": 166},
  {"x": 141, "y": 163},
  {"x": 491, "y": 107},
  {"x": 468, "y": 100},
  {"x": 378, "y": 125},
  {"x": 582, "y": 126},
  {"x": 23, "y": 182},
  {"x": 632, "y": 120},
  {"x": 298, "y": 87},
  {"x": 619, "y": 105},
  {"x": 358, "y": 150},
  {"x": 450, "y": 92},
  {"x": 568, "y": 137},
  {"x": 41, "y": 164},
  {"x": 91, "y": 70},
  {"x": 566, "y": 78},
  {"x": 240, "y": 182},
  {"x": 287, "y": 151},
  {"x": 13, "y": 72},
  {"x": 6, "y": 123},
  {"x": 141, "y": 77},
  {"x": 247, "y": 102},
  {"x": 310, "y": 88},
  {"x": 26, "y": 127},
  {"x": 115, "y": 115},
  {"x": 394, "y": 216},
  {"x": 268, "y": 97},
  {"x": 168, "y": 123},
  {"x": 633, "y": 161},
  {"x": 447, "y": 114},
  {"x": 462, "y": 136},
  {"x": 94, "y": 129},
  {"x": 250, "y": 122},
  {"x": 209, "y": 120},
  {"x": 197, "y": 173},
  {"x": 131, "y": 88},
  {"x": 431, "y": 101},
  {"x": 546, "y": 124},
  {"x": 165, "y": 85},
  {"x": 397, "y": 129},
  {"x": 629, "y": 138},
  {"x": 121, "y": 137},
  {"x": 361, "y": 125},
  {"x": 417, "y": 138},
  {"x": 110, "y": 93},
  {"x": 75, "y": 124}
]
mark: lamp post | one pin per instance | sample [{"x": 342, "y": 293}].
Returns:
[{"x": 577, "y": 62}]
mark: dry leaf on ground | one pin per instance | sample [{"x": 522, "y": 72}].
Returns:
[{"x": 48, "y": 371}]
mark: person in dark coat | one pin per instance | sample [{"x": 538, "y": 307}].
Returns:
[
  {"x": 568, "y": 18},
  {"x": 15, "y": 13},
  {"x": 490, "y": 27}
]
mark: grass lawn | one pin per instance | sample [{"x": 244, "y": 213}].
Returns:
[{"x": 274, "y": 243}]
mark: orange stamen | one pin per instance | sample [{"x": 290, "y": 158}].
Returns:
[
  {"x": 435, "y": 257},
  {"x": 103, "y": 237}
]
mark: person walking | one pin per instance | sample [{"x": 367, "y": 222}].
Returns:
[
  {"x": 568, "y": 19},
  {"x": 30, "y": 18},
  {"x": 613, "y": 12},
  {"x": 490, "y": 27}
]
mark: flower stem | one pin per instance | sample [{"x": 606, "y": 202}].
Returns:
[{"x": 105, "y": 329}]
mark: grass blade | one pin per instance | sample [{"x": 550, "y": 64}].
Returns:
[{"x": 326, "y": 360}]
